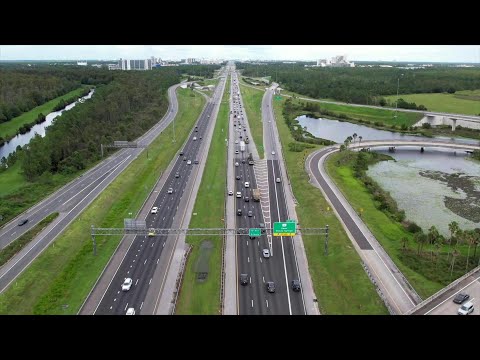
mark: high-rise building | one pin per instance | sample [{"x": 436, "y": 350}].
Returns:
[{"x": 142, "y": 64}]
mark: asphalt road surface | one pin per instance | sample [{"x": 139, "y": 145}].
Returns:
[
  {"x": 143, "y": 256},
  {"x": 254, "y": 299},
  {"x": 73, "y": 198}
]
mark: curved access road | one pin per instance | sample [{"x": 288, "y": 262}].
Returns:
[{"x": 72, "y": 199}]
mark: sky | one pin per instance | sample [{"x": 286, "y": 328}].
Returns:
[{"x": 422, "y": 53}]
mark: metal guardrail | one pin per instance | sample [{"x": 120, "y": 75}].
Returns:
[{"x": 178, "y": 283}]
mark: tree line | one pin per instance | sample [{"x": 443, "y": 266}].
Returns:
[
  {"x": 206, "y": 71},
  {"x": 122, "y": 110},
  {"x": 366, "y": 85},
  {"x": 22, "y": 88}
]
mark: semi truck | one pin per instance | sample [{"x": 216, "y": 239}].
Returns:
[
  {"x": 242, "y": 146},
  {"x": 256, "y": 195}
]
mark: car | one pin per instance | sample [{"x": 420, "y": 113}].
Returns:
[
  {"x": 295, "y": 285},
  {"x": 236, "y": 164},
  {"x": 244, "y": 279},
  {"x": 22, "y": 222},
  {"x": 266, "y": 253},
  {"x": 154, "y": 210},
  {"x": 196, "y": 162},
  {"x": 230, "y": 193},
  {"x": 460, "y": 298},
  {"x": 278, "y": 180},
  {"x": 250, "y": 213},
  {"x": 237, "y": 152},
  {"x": 130, "y": 311},
  {"x": 270, "y": 286},
  {"x": 244, "y": 129},
  {"x": 170, "y": 190},
  {"x": 189, "y": 162},
  {"x": 262, "y": 226},
  {"x": 247, "y": 184},
  {"x": 200, "y": 137},
  {"x": 151, "y": 232},
  {"x": 237, "y": 177},
  {"x": 466, "y": 308},
  {"x": 243, "y": 161},
  {"x": 127, "y": 284},
  {"x": 239, "y": 212},
  {"x": 246, "y": 198},
  {"x": 195, "y": 138},
  {"x": 181, "y": 153},
  {"x": 273, "y": 152},
  {"x": 236, "y": 141},
  {"x": 239, "y": 194},
  {"x": 177, "y": 175},
  {"x": 184, "y": 159}
]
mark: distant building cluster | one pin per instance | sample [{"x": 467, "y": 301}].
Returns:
[
  {"x": 153, "y": 62},
  {"x": 336, "y": 61}
]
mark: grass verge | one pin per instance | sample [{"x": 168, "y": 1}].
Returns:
[
  {"x": 462, "y": 102},
  {"x": 9, "y": 128},
  {"x": 386, "y": 231},
  {"x": 339, "y": 281},
  {"x": 15, "y": 246},
  {"x": 58, "y": 281},
  {"x": 202, "y": 298},
  {"x": 252, "y": 101}
]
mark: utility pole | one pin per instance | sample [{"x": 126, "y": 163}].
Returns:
[
  {"x": 326, "y": 240},
  {"x": 396, "y": 103}
]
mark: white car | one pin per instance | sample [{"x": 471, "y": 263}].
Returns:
[
  {"x": 230, "y": 193},
  {"x": 236, "y": 164},
  {"x": 466, "y": 308},
  {"x": 189, "y": 162},
  {"x": 154, "y": 210},
  {"x": 278, "y": 180},
  {"x": 236, "y": 152},
  {"x": 170, "y": 190},
  {"x": 273, "y": 152},
  {"x": 236, "y": 141},
  {"x": 247, "y": 184},
  {"x": 266, "y": 253},
  {"x": 239, "y": 194},
  {"x": 127, "y": 284},
  {"x": 131, "y": 311}
]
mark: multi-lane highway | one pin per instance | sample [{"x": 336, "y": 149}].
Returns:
[
  {"x": 73, "y": 198},
  {"x": 145, "y": 253},
  {"x": 280, "y": 267}
]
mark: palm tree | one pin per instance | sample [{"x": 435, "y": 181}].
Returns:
[
  {"x": 421, "y": 238},
  {"x": 470, "y": 237},
  {"x": 453, "y": 227},
  {"x": 354, "y": 137},
  {"x": 404, "y": 240},
  {"x": 360, "y": 140},
  {"x": 433, "y": 236},
  {"x": 454, "y": 254}
]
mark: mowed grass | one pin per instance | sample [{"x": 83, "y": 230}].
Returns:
[
  {"x": 339, "y": 280},
  {"x": 252, "y": 100},
  {"x": 388, "y": 232},
  {"x": 10, "y": 128},
  {"x": 204, "y": 298},
  {"x": 59, "y": 280},
  {"x": 462, "y": 102},
  {"x": 11, "y": 179}
]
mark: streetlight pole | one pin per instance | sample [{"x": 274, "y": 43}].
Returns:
[{"x": 396, "y": 103}]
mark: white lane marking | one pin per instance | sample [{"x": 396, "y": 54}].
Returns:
[
  {"x": 252, "y": 303},
  {"x": 118, "y": 292},
  {"x": 260, "y": 259},
  {"x": 250, "y": 279},
  {"x": 125, "y": 307},
  {"x": 141, "y": 306},
  {"x": 267, "y": 302},
  {"x": 131, "y": 266},
  {"x": 145, "y": 261},
  {"x": 263, "y": 278},
  {"x": 138, "y": 250},
  {"x": 115, "y": 299},
  {"x": 128, "y": 272},
  {"x": 14, "y": 233},
  {"x": 248, "y": 259},
  {"x": 158, "y": 260},
  {"x": 150, "y": 281},
  {"x": 247, "y": 242},
  {"x": 163, "y": 244},
  {"x": 152, "y": 244},
  {"x": 136, "y": 255}
]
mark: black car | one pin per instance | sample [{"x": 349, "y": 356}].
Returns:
[
  {"x": 460, "y": 298},
  {"x": 177, "y": 175},
  {"x": 295, "y": 285},
  {"x": 244, "y": 279},
  {"x": 184, "y": 159},
  {"x": 181, "y": 153},
  {"x": 195, "y": 162},
  {"x": 239, "y": 212},
  {"x": 22, "y": 222},
  {"x": 270, "y": 286}
]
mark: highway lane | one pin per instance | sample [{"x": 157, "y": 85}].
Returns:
[
  {"x": 143, "y": 256},
  {"x": 73, "y": 198}
]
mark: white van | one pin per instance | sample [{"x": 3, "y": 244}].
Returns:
[
  {"x": 194, "y": 138},
  {"x": 247, "y": 184}
]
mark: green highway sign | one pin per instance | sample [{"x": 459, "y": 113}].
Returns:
[
  {"x": 284, "y": 228},
  {"x": 254, "y": 232}
]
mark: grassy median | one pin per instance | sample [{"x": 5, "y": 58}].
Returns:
[
  {"x": 59, "y": 280},
  {"x": 10, "y": 128},
  {"x": 252, "y": 100},
  {"x": 339, "y": 280},
  {"x": 203, "y": 298}
]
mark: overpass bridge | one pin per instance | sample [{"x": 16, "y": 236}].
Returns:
[{"x": 422, "y": 143}]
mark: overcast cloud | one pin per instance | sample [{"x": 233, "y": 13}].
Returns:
[{"x": 433, "y": 53}]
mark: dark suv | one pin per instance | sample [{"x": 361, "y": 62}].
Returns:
[
  {"x": 295, "y": 285},
  {"x": 239, "y": 212},
  {"x": 460, "y": 298},
  {"x": 244, "y": 279},
  {"x": 22, "y": 222},
  {"x": 270, "y": 286}
]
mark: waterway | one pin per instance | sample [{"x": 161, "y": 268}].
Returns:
[
  {"x": 24, "y": 139},
  {"x": 435, "y": 187}
]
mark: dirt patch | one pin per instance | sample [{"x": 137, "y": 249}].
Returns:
[{"x": 201, "y": 267}]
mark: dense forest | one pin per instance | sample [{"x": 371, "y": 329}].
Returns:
[
  {"x": 366, "y": 85},
  {"x": 122, "y": 110},
  {"x": 22, "y": 88}
]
